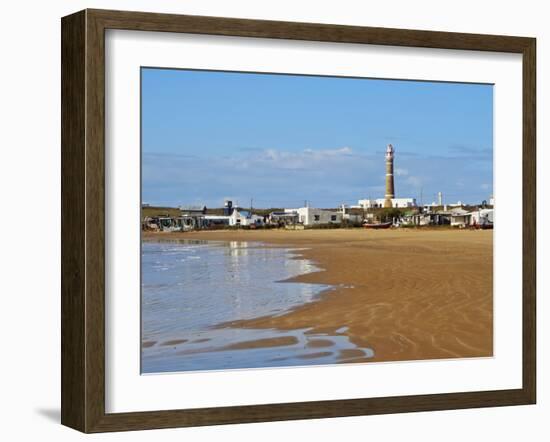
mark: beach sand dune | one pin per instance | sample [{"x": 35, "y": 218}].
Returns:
[{"x": 406, "y": 294}]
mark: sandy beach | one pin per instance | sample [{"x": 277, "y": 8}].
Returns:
[{"x": 406, "y": 294}]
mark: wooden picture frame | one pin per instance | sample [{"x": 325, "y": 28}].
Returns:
[{"x": 83, "y": 220}]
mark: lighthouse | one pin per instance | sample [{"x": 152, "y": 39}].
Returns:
[{"x": 390, "y": 190}]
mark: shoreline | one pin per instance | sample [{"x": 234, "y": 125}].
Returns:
[{"x": 408, "y": 295}]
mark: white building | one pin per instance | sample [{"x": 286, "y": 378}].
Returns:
[
  {"x": 460, "y": 217},
  {"x": 399, "y": 203},
  {"x": 215, "y": 220},
  {"x": 403, "y": 203},
  {"x": 351, "y": 216},
  {"x": 241, "y": 217},
  {"x": 308, "y": 216},
  {"x": 482, "y": 216},
  {"x": 457, "y": 204}
]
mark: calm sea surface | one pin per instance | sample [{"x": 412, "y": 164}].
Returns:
[{"x": 189, "y": 288}]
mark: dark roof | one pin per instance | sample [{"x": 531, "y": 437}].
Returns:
[{"x": 192, "y": 208}]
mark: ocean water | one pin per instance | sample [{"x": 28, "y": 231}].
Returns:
[{"x": 190, "y": 289}]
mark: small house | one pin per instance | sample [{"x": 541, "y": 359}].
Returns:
[
  {"x": 283, "y": 218},
  {"x": 240, "y": 217},
  {"x": 460, "y": 217},
  {"x": 482, "y": 217},
  {"x": 309, "y": 216}
]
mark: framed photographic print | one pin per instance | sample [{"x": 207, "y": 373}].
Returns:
[{"x": 271, "y": 220}]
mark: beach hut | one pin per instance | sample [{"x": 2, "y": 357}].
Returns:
[
  {"x": 283, "y": 218},
  {"x": 240, "y": 217},
  {"x": 482, "y": 217},
  {"x": 309, "y": 216},
  {"x": 460, "y": 218}
]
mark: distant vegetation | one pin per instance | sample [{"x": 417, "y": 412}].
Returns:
[
  {"x": 390, "y": 213},
  {"x": 151, "y": 211}
]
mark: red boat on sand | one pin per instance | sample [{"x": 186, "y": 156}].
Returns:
[{"x": 378, "y": 225}]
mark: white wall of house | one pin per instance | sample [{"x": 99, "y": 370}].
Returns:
[
  {"x": 366, "y": 204},
  {"x": 460, "y": 217},
  {"x": 244, "y": 218},
  {"x": 403, "y": 202},
  {"x": 482, "y": 215},
  {"x": 379, "y": 202},
  {"x": 310, "y": 216},
  {"x": 461, "y": 220},
  {"x": 419, "y": 219}
]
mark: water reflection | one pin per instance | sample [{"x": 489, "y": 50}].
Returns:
[
  {"x": 249, "y": 348},
  {"x": 188, "y": 287}
]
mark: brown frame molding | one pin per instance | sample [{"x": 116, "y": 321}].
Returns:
[{"x": 83, "y": 217}]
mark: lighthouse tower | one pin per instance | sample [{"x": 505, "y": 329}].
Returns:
[{"x": 390, "y": 190}]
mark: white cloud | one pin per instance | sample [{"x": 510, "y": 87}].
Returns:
[
  {"x": 401, "y": 172},
  {"x": 305, "y": 159},
  {"x": 325, "y": 177}
]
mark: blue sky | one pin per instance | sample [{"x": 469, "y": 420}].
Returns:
[{"x": 284, "y": 139}]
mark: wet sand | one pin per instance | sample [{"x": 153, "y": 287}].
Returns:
[{"x": 407, "y": 294}]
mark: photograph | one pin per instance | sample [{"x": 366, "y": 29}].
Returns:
[
  {"x": 261, "y": 221},
  {"x": 303, "y": 220}
]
